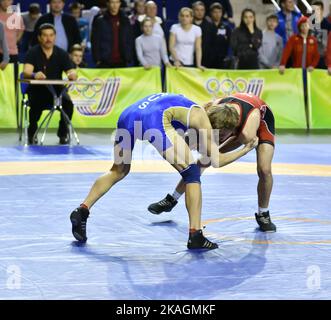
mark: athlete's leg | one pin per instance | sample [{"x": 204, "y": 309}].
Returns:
[
  {"x": 264, "y": 155},
  {"x": 180, "y": 157},
  {"x": 118, "y": 171},
  {"x": 120, "y": 168}
]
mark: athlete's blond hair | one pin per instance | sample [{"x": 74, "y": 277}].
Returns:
[{"x": 222, "y": 116}]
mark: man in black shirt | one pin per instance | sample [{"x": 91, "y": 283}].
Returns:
[
  {"x": 208, "y": 33},
  {"x": 47, "y": 61}
]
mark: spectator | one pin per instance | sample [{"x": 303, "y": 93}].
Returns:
[
  {"x": 83, "y": 24},
  {"x": 302, "y": 47},
  {"x": 320, "y": 34},
  {"x": 246, "y": 41},
  {"x": 13, "y": 27},
  {"x": 221, "y": 50},
  {"x": 112, "y": 39},
  {"x": 151, "y": 12},
  {"x": 328, "y": 54},
  {"x": 4, "y": 60},
  {"x": 326, "y": 22},
  {"x": 271, "y": 50},
  {"x": 185, "y": 41},
  {"x": 288, "y": 19},
  {"x": 208, "y": 33},
  {"x": 137, "y": 17},
  {"x": 138, "y": 12},
  {"x": 151, "y": 48},
  {"x": 30, "y": 19},
  {"x": 47, "y": 61},
  {"x": 76, "y": 56},
  {"x": 66, "y": 27},
  {"x": 226, "y": 4}
]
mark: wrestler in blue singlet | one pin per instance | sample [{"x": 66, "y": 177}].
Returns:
[{"x": 148, "y": 113}]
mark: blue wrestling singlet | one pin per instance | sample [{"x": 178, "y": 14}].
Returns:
[{"x": 145, "y": 120}]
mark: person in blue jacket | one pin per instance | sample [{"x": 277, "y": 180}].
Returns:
[{"x": 288, "y": 18}]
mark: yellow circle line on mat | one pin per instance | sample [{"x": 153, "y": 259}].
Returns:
[
  {"x": 253, "y": 241},
  {"x": 151, "y": 166}
]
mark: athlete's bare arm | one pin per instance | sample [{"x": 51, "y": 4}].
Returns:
[
  {"x": 199, "y": 121},
  {"x": 248, "y": 133}
]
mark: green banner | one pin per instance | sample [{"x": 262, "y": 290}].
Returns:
[
  {"x": 7, "y": 98},
  {"x": 283, "y": 93},
  {"x": 319, "y": 99},
  {"x": 100, "y": 106}
]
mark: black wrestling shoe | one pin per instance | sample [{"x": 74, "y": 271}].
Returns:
[
  {"x": 264, "y": 221},
  {"x": 78, "y": 220},
  {"x": 197, "y": 240},
  {"x": 165, "y": 205}
]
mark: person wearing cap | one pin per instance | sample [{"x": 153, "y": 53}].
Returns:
[{"x": 302, "y": 48}]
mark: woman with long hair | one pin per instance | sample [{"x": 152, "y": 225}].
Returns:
[{"x": 246, "y": 41}]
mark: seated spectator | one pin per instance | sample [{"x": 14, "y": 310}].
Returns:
[
  {"x": 326, "y": 22},
  {"x": 47, "y": 61},
  {"x": 76, "y": 56},
  {"x": 208, "y": 33},
  {"x": 151, "y": 49},
  {"x": 319, "y": 33},
  {"x": 151, "y": 12},
  {"x": 83, "y": 24},
  {"x": 288, "y": 19},
  {"x": 4, "y": 55},
  {"x": 66, "y": 27},
  {"x": 302, "y": 47},
  {"x": 328, "y": 54},
  {"x": 112, "y": 38},
  {"x": 227, "y": 8},
  {"x": 30, "y": 19},
  {"x": 246, "y": 41},
  {"x": 185, "y": 41},
  {"x": 220, "y": 53},
  {"x": 271, "y": 50}
]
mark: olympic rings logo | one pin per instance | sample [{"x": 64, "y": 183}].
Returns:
[
  {"x": 240, "y": 85},
  {"x": 88, "y": 91}
]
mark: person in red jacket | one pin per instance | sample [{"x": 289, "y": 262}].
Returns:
[
  {"x": 302, "y": 48},
  {"x": 328, "y": 54}
]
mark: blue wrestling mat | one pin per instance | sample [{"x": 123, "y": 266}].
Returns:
[{"x": 132, "y": 254}]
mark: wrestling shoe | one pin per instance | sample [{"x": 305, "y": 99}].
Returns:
[
  {"x": 78, "y": 220},
  {"x": 264, "y": 221},
  {"x": 197, "y": 240},
  {"x": 165, "y": 205}
]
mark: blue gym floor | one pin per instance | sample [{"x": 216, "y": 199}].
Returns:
[{"x": 132, "y": 254}]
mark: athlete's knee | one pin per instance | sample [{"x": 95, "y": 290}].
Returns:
[
  {"x": 121, "y": 171},
  {"x": 264, "y": 171},
  {"x": 191, "y": 174}
]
